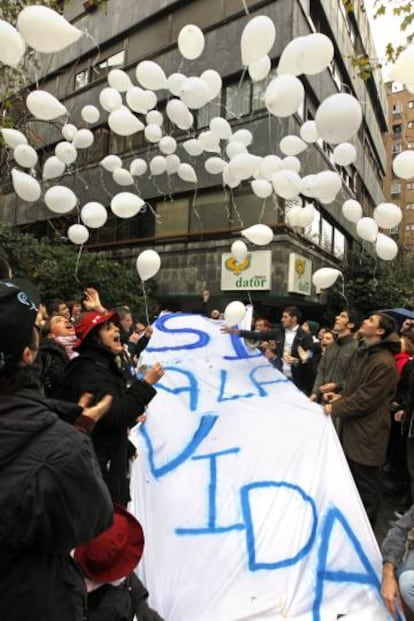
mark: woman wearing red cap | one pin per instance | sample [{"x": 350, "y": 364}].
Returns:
[{"x": 96, "y": 370}]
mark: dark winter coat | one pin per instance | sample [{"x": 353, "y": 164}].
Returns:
[
  {"x": 51, "y": 363},
  {"x": 335, "y": 363},
  {"x": 301, "y": 373},
  {"x": 95, "y": 371},
  {"x": 364, "y": 409},
  {"x": 52, "y": 498}
]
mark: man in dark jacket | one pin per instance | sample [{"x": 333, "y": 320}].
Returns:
[
  {"x": 364, "y": 407},
  {"x": 289, "y": 337},
  {"x": 52, "y": 496}
]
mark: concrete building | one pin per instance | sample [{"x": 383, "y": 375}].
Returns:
[
  {"x": 400, "y": 138},
  {"x": 192, "y": 228}
]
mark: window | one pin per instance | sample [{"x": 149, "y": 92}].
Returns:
[
  {"x": 396, "y": 148},
  {"x": 410, "y": 186},
  {"x": 396, "y": 108},
  {"x": 411, "y": 104},
  {"x": 326, "y": 236},
  {"x": 336, "y": 74},
  {"x": 208, "y": 112},
  {"x": 81, "y": 79},
  {"x": 410, "y": 145},
  {"x": 103, "y": 67},
  {"x": 409, "y": 227},
  {"x": 410, "y": 124},
  {"x": 397, "y": 130},
  {"x": 339, "y": 244},
  {"x": 409, "y": 206},
  {"x": 238, "y": 100},
  {"x": 395, "y": 188},
  {"x": 246, "y": 208},
  {"x": 172, "y": 217},
  {"x": 210, "y": 212}
]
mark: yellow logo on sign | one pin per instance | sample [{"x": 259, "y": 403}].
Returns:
[
  {"x": 300, "y": 266},
  {"x": 235, "y": 267}
]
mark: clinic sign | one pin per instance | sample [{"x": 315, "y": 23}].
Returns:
[
  {"x": 300, "y": 274},
  {"x": 253, "y": 273}
]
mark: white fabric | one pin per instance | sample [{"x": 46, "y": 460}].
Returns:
[
  {"x": 247, "y": 504},
  {"x": 287, "y": 350}
]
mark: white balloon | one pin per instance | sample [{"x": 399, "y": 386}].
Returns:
[
  {"x": 243, "y": 165},
  {"x": 352, "y": 210},
  {"x": 111, "y": 163},
  {"x": 110, "y": 99},
  {"x": 239, "y": 250},
  {"x": 179, "y": 114},
  {"x": 387, "y": 215},
  {"x": 25, "y": 156},
  {"x": 259, "y": 234},
  {"x": 69, "y": 131},
  {"x": 44, "y": 106},
  {"x": 293, "y": 216},
  {"x": 403, "y": 165},
  {"x": 83, "y": 139},
  {"x": 126, "y": 204},
  {"x": 292, "y": 145},
  {"x": 138, "y": 167},
  {"x": 220, "y": 128},
  {"x": 191, "y": 42},
  {"x": 290, "y": 59},
  {"x": 12, "y": 137},
  {"x": 209, "y": 141},
  {"x": 154, "y": 117},
  {"x": 12, "y": 47},
  {"x": 45, "y": 30},
  {"x": 257, "y": 39},
  {"x": 291, "y": 163},
  {"x": 306, "y": 215},
  {"x": 193, "y": 147},
  {"x": 308, "y": 132},
  {"x": 187, "y": 173},
  {"x": 60, "y": 199},
  {"x": 122, "y": 177},
  {"x": 194, "y": 93},
  {"x": 52, "y": 168},
  {"x": 153, "y": 133},
  {"x": 90, "y": 114},
  {"x": 367, "y": 229},
  {"x": 173, "y": 163},
  {"x": 124, "y": 123},
  {"x": 235, "y": 148},
  {"x": 338, "y": 118},
  {"x": 344, "y": 154},
  {"x": 228, "y": 179},
  {"x": 136, "y": 100},
  {"x": 260, "y": 69},
  {"x": 78, "y": 234},
  {"x": 317, "y": 53},
  {"x": 66, "y": 152},
  {"x": 287, "y": 184},
  {"x": 148, "y": 264},
  {"x": 327, "y": 184},
  {"x": 325, "y": 277},
  {"x": 93, "y": 215},
  {"x": 167, "y": 145},
  {"x": 214, "y": 165},
  {"x": 261, "y": 188},
  {"x": 213, "y": 81},
  {"x": 269, "y": 165},
  {"x": 385, "y": 247},
  {"x": 175, "y": 83},
  {"x": 119, "y": 80},
  {"x": 234, "y": 313},
  {"x": 158, "y": 165},
  {"x": 150, "y": 75},
  {"x": 25, "y": 186},
  {"x": 308, "y": 186},
  {"x": 150, "y": 100},
  {"x": 244, "y": 136},
  {"x": 284, "y": 95}
]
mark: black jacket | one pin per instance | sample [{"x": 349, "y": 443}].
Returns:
[
  {"x": 302, "y": 374},
  {"x": 51, "y": 363},
  {"x": 95, "y": 371},
  {"x": 52, "y": 498}
]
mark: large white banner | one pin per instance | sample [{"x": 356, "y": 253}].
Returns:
[{"x": 247, "y": 504}]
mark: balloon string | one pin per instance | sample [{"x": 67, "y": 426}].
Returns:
[
  {"x": 196, "y": 212},
  {"x": 342, "y": 291},
  {"x": 77, "y": 264},
  {"x": 157, "y": 217},
  {"x": 262, "y": 211},
  {"x": 246, "y": 10},
  {"x": 144, "y": 295},
  {"x": 102, "y": 182},
  {"x": 236, "y": 211}
]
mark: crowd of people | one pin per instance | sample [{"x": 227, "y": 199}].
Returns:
[{"x": 70, "y": 390}]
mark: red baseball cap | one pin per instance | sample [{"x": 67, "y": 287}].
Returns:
[
  {"x": 91, "y": 320},
  {"x": 116, "y": 552}
]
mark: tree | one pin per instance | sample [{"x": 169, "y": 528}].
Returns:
[{"x": 59, "y": 271}]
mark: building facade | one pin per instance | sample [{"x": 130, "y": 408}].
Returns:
[
  {"x": 192, "y": 227},
  {"x": 400, "y": 138}
]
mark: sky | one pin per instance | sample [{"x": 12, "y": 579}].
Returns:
[{"x": 385, "y": 30}]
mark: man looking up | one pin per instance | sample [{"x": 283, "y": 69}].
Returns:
[
  {"x": 364, "y": 407},
  {"x": 288, "y": 338},
  {"x": 52, "y": 495},
  {"x": 336, "y": 361}
]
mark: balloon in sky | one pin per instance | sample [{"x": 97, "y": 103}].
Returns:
[
  {"x": 45, "y": 30},
  {"x": 12, "y": 47},
  {"x": 191, "y": 42}
]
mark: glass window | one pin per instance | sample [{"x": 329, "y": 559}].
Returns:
[
  {"x": 117, "y": 144},
  {"x": 248, "y": 209},
  {"x": 395, "y": 188},
  {"x": 238, "y": 100},
  {"x": 103, "y": 67},
  {"x": 258, "y": 93},
  {"x": 313, "y": 231},
  {"x": 208, "y": 112},
  {"x": 410, "y": 186},
  {"x": 410, "y": 124},
  {"x": 326, "y": 235},
  {"x": 210, "y": 212},
  {"x": 81, "y": 79},
  {"x": 411, "y": 104},
  {"x": 339, "y": 244},
  {"x": 172, "y": 217}
]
